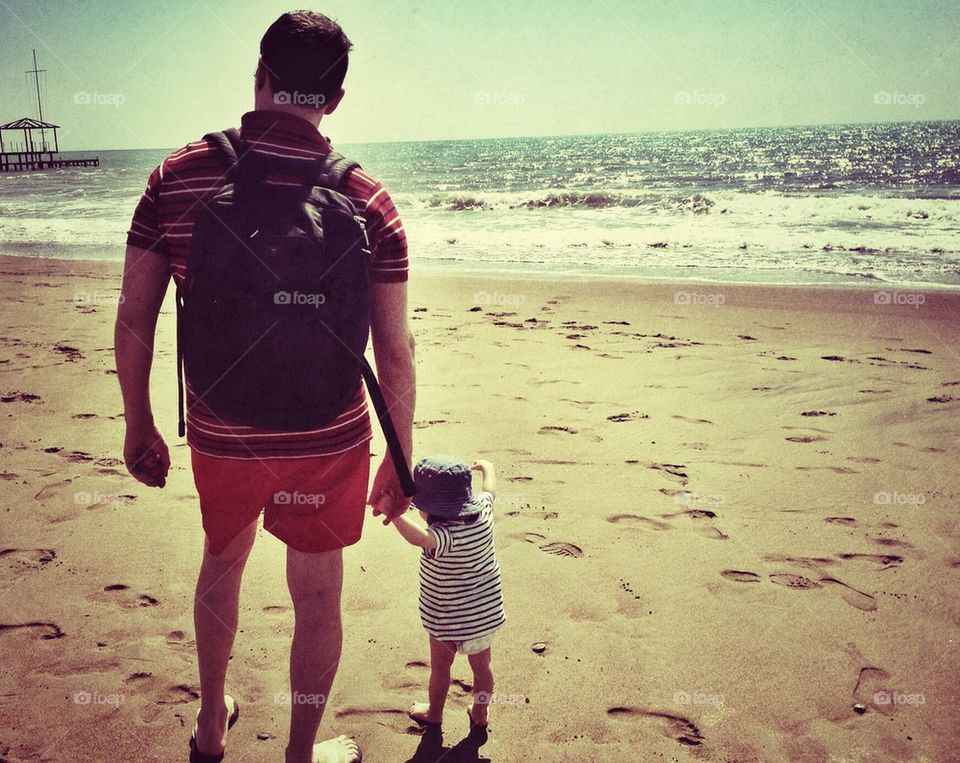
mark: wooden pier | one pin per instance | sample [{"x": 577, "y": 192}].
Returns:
[
  {"x": 32, "y": 153},
  {"x": 20, "y": 162}
]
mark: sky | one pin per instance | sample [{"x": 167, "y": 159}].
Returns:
[{"x": 138, "y": 74}]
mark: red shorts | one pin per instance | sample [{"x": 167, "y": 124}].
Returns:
[{"x": 312, "y": 504}]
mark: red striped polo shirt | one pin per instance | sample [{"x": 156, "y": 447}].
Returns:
[{"x": 163, "y": 222}]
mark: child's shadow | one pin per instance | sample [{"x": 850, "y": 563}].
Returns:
[{"x": 467, "y": 750}]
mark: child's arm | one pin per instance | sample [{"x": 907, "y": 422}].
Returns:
[
  {"x": 489, "y": 474},
  {"x": 413, "y": 532}
]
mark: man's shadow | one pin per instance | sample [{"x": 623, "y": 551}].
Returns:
[{"x": 432, "y": 750}]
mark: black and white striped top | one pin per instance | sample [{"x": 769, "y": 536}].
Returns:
[{"x": 460, "y": 596}]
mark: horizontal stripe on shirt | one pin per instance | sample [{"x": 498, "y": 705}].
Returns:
[{"x": 460, "y": 591}]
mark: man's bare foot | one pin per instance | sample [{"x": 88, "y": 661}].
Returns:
[
  {"x": 478, "y": 715},
  {"x": 341, "y": 749},
  {"x": 420, "y": 712}
]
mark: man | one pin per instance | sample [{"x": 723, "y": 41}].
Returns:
[{"x": 239, "y": 470}]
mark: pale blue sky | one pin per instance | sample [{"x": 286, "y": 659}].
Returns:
[{"x": 158, "y": 74}]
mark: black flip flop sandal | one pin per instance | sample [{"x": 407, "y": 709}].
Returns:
[{"x": 199, "y": 757}]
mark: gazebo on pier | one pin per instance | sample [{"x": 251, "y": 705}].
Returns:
[{"x": 33, "y": 152}]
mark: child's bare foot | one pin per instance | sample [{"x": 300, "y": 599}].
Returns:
[
  {"x": 420, "y": 712},
  {"x": 478, "y": 715}
]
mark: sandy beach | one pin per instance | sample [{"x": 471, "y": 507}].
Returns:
[{"x": 727, "y": 512}]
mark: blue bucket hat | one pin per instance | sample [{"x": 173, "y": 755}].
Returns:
[{"x": 444, "y": 488}]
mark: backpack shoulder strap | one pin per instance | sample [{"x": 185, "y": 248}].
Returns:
[
  {"x": 332, "y": 169},
  {"x": 228, "y": 142}
]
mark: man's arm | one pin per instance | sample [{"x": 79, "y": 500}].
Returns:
[
  {"x": 413, "y": 533},
  {"x": 145, "y": 277},
  {"x": 393, "y": 349}
]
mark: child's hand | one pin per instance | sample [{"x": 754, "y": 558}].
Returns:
[{"x": 481, "y": 466}]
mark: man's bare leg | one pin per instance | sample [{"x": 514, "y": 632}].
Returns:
[
  {"x": 215, "y": 612},
  {"x": 315, "y": 582}
]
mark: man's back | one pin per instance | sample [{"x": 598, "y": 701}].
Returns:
[{"x": 164, "y": 223}]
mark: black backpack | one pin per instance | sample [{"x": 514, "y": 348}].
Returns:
[{"x": 273, "y": 314}]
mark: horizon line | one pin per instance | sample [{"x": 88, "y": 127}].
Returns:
[{"x": 581, "y": 135}]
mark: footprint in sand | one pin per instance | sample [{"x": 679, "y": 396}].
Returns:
[
  {"x": 52, "y": 490},
  {"x": 811, "y": 562},
  {"x": 805, "y": 438},
  {"x": 389, "y": 715},
  {"x": 557, "y": 548},
  {"x": 20, "y": 560},
  {"x": 627, "y": 416},
  {"x": 637, "y": 521},
  {"x": 676, "y": 471},
  {"x": 852, "y": 596},
  {"x": 834, "y": 469},
  {"x": 556, "y": 429},
  {"x": 690, "y": 420},
  {"x": 562, "y": 548},
  {"x": 46, "y": 631},
  {"x": 122, "y": 596},
  {"x": 884, "y": 560},
  {"x": 179, "y": 694},
  {"x": 793, "y": 581},
  {"x": 275, "y": 609},
  {"x": 676, "y": 727},
  {"x": 692, "y": 513},
  {"x": 19, "y": 397},
  {"x": 871, "y": 689},
  {"x": 741, "y": 576}
]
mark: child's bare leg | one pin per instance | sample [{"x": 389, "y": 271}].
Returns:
[
  {"x": 441, "y": 658},
  {"x": 482, "y": 685}
]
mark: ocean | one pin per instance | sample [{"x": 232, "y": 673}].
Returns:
[{"x": 852, "y": 204}]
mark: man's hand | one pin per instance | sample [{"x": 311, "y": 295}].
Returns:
[
  {"x": 146, "y": 455},
  {"x": 386, "y": 495}
]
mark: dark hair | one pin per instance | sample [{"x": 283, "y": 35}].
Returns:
[{"x": 305, "y": 52}]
